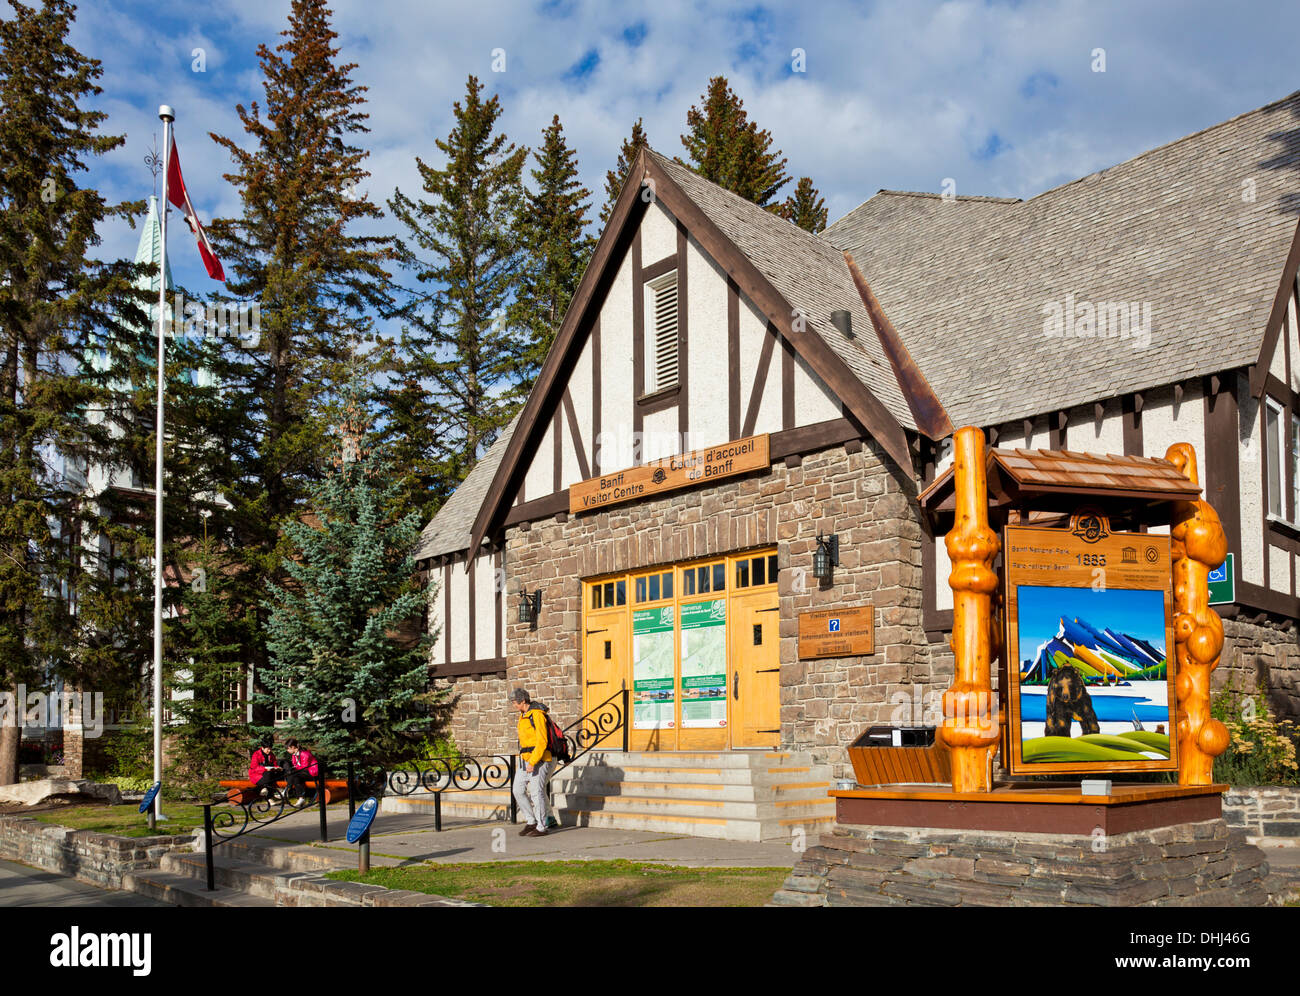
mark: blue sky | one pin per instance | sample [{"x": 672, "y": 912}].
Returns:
[{"x": 1001, "y": 97}]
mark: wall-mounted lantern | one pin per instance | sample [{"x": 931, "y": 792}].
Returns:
[
  {"x": 827, "y": 556},
  {"x": 530, "y": 607}
]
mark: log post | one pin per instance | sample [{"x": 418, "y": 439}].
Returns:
[
  {"x": 970, "y": 726},
  {"x": 1198, "y": 546}
]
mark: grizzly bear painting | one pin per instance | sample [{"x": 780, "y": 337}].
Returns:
[{"x": 1068, "y": 700}]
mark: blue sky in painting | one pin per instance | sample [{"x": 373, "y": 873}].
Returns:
[{"x": 1133, "y": 613}]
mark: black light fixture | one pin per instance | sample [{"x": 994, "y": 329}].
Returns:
[
  {"x": 530, "y": 607},
  {"x": 826, "y": 557}
]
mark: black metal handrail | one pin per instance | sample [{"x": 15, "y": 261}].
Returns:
[
  {"x": 259, "y": 813},
  {"x": 465, "y": 773}
]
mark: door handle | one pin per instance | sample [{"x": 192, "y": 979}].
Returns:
[{"x": 735, "y": 685}]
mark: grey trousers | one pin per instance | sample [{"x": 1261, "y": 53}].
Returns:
[{"x": 530, "y": 793}]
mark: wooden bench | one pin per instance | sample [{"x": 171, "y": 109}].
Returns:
[{"x": 242, "y": 793}]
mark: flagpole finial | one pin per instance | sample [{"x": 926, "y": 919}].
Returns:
[{"x": 166, "y": 113}]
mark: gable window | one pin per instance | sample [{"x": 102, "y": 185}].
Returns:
[
  {"x": 661, "y": 307},
  {"x": 1273, "y": 450}
]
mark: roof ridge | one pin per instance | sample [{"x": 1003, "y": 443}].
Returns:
[{"x": 1170, "y": 144}]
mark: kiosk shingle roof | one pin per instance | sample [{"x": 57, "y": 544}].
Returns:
[{"x": 966, "y": 282}]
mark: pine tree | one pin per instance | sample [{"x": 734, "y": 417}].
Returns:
[
  {"x": 616, "y": 177},
  {"x": 356, "y": 689},
  {"x": 805, "y": 207},
  {"x": 727, "y": 148},
  {"x": 294, "y": 251},
  {"x": 464, "y": 252},
  {"x": 556, "y": 244},
  {"x": 53, "y": 299}
]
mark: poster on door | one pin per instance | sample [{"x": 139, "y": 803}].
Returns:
[
  {"x": 653, "y": 695},
  {"x": 704, "y": 664}
]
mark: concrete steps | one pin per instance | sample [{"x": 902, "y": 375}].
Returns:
[
  {"x": 180, "y": 889},
  {"x": 733, "y": 795}
]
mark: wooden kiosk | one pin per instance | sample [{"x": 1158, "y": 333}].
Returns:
[{"x": 1033, "y": 532}]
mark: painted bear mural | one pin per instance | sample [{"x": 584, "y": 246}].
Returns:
[{"x": 1067, "y": 700}]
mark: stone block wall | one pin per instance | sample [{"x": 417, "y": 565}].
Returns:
[
  {"x": 851, "y": 490},
  {"x": 1263, "y": 811},
  {"x": 1262, "y": 649},
  {"x": 98, "y": 858}
]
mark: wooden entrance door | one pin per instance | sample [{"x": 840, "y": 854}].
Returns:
[
  {"x": 755, "y": 680},
  {"x": 604, "y": 656}
]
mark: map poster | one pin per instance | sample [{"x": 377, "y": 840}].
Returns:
[
  {"x": 653, "y": 695},
  {"x": 704, "y": 664}
]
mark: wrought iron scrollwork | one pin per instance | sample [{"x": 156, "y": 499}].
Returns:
[
  {"x": 462, "y": 774},
  {"x": 594, "y": 728}
]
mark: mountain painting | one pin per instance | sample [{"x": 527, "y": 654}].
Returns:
[{"x": 1093, "y": 680}]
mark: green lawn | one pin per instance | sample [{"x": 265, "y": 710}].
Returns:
[
  {"x": 581, "y": 883},
  {"x": 124, "y": 821}
]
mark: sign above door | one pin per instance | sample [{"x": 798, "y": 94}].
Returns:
[{"x": 740, "y": 456}]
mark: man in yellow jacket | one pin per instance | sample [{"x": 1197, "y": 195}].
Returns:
[{"x": 534, "y": 768}]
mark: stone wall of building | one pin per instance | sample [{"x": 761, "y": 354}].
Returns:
[
  {"x": 851, "y": 491},
  {"x": 1262, "y": 649},
  {"x": 1264, "y": 811}
]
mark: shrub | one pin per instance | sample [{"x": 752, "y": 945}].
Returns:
[{"x": 1261, "y": 748}]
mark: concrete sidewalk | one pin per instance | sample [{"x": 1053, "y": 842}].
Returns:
[{"x": 401, "y": 838}]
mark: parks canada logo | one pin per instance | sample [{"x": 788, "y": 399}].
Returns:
[{"x": 1091, "y": 527}]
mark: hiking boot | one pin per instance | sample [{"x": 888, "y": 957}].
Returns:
[{"x": 527, "y": 831}]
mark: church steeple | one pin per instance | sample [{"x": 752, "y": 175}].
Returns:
[{"x": 150, "y": 251}]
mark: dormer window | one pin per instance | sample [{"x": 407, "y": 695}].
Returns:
[{"x": 661, "y": 304}]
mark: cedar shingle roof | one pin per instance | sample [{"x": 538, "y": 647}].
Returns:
[
  {"x": 1062, "y": 470},
  {"x": 966, "y": 282}
]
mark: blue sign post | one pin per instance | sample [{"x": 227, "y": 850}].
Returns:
[
  {"x": 150, "y": 796},
  {"x": 359, "y": 830}
]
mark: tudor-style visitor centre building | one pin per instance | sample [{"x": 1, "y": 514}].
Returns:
[{"x": 730, "y": 439}]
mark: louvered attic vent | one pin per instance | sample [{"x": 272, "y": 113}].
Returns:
[{"x": 663, "y": 311}]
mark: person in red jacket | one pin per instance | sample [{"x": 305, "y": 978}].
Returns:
[
  {"x": 263, "y": 770},
  {"x": 302, "y": 765}
]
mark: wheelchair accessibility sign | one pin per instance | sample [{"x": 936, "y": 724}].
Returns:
[{"x": 1223, "y": 583}]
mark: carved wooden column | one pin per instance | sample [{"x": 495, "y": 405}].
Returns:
[
  {"x": 1199, "y": 545},
  {"x": 970, "y": 728}
]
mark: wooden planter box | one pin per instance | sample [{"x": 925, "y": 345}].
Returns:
[{"x": 895, "y": 765}]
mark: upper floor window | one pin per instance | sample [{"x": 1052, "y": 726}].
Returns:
[
  {"x": 662, "y": 307},
  {"x": 1273, "y": 450}
]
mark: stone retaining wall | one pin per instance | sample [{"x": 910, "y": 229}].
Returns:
[
  {"x": 1192, "y": 864},
  {"x": 98, "y": 858},
  {"x": 1264, "y": 812},
  {"x": 1262, "y": 649}
]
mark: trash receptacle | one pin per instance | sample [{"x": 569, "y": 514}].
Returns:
[{"x": 885, "y": 755}]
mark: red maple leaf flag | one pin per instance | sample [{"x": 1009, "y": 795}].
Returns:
[{"x": 178, "y": 195}]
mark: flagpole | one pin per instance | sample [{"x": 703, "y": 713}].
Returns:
[{"x": 168, "y": 116}]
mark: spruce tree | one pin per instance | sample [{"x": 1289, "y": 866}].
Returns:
[
  {"x": 724, "y": 146},
  {"x": 464, "y": 251},
  {"x": 53, "y": 299},
  {"x": 357, "y": 689},
  {"x": 805, "y": 207},
  {"x": 556, "y": 244},
  {"x": 295, "y": 252},
  {"x": 616, "y": 177}
]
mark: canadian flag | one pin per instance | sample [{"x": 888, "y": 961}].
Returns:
[{"x": 178, "y": 195}]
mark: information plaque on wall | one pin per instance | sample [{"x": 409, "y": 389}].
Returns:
[
  {"x": 836, "y": 633},
  {"x": 1090, "y": 643}
]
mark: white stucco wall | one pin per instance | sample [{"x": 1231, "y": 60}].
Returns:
[
  {"x": 1291, "y": 334},
  {"x": 437, "y": 625},
  {"x": 1084, "y": 433},
  {"x": 580, "y": 394},
  {"x": 753, "y": 330},
  {"x": 813, "y": 401},
  {"x": 1164, "y": 423},
  {"x": 1279, "y": 569},
  {"x": 942, "y": 568},
  {"x": 661, "y": 436},
  {"x": 484, "y": 607},
  {"x": 706, "y": 352},
  {"x": 1249, "y": 441},
  {"x": 616, "y": 389},
  {"x": 540, "y": 480},
  {"x": 457, "y": 625},
  {"x": 658, "y": 234}
]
